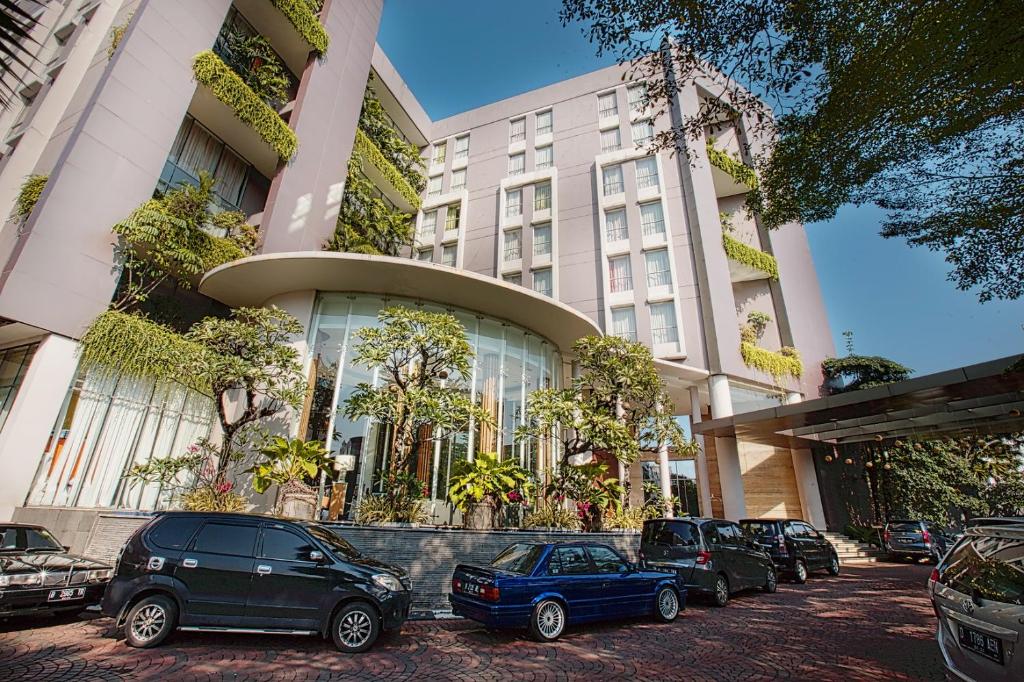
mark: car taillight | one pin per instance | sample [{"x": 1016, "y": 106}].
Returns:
[
  {"x": 926, "y": 536},
  {"x": 703, "y": 557},
  {"x": 887, "y": 536},
  {"x": 781, "y": 541},
  {"x": 456, "y": 585},
  {"x": 490, "y": 593},
  {"x": 934, "y": 577}
]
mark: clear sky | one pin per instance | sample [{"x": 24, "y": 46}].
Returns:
[{"x": 460, "y": 54}]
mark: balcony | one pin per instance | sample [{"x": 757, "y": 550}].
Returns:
[
  {"x": 746, "y": 263},
  {"x": 385, "y": 175},
  {"x": 731, "y": 176}
]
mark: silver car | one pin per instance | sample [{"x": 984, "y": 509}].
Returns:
[{"x": 978, "y": 594}]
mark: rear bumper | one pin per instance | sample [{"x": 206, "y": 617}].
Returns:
[
  {"x": 910, "y": 550},
  {"x": 493, "y": 616},
  {"x": 29, "y": 602}
]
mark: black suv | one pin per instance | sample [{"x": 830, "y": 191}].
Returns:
[
  {"x": 796, "y": 547},
  {"x": 241, "y": 572}
]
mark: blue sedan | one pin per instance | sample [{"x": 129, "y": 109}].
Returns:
[{"x": 546, "y": 586}]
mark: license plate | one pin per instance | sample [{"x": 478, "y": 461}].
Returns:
[
  {"x": 905, "y": 541},
  {"x": 67, "y": 595},
  {"x": 470, "y": 588},
  {"x": 985, "y": 645}
]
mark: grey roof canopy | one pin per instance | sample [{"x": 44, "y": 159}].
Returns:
[{"x": 982, "y": 398}]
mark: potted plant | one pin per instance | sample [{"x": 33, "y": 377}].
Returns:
[
  {"x": 480, "y": 488},
  {"x": 288, "y": 464}
]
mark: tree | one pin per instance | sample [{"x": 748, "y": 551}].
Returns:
[
  {"x": 913, "y": 105},
  {"x": 251, "y": 370},
  {"x": 855, "y": 372},
  {"x": 288, "y": 464}
]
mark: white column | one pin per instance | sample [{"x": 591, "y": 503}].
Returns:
[
  {"x": 32, "y": 417},
  {"x": 730, "y": 476},
  {"x": 703, "y": 484},
  {"x": 806, "y": 478},
  {"x": 665, "y": 473}
]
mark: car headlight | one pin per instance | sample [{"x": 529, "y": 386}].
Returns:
[
  {"x": 25, "y": 579},
  {"x": 388, "y": 582},
  {"x": 99, "y": 575},
  {"x": 5, "y": 580}
]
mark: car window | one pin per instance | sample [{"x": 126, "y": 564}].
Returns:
[
  {"x": 807, "y": 531},
  {"x": 23, "y": 539},
  {"x": 285, "y": 545},
  {"x": 670, "y": 533},
  {"x": 905, "y": 527},
  {"x": 759, "y": 529},
  {"x": 224, "y": 538},
  {"x": 337, "y": 544},
  {"x": 730, "y": 534},
  {"x": 518, "y": 558},
  {"x": 987, "y": 567},
  {"x": 569, "y": 561},
  {"x": 174, "y": 532},
  {"x": 711, "y": 534},
  {"x": 606, "y": 560}
]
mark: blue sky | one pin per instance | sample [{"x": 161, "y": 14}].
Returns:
[{"x": 459, "y": 54}]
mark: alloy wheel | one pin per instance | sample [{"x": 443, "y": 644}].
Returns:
[
  {"x": 550, "y": 620},
  {"x": 801, "y": 572},
  {"x": 771, "y": 581},
  {"x": 148, "y": 622},
  {"x": 668, "y": 604},
  {"x": 354, "y": 629},
  {"x": 721, "y": 591}
]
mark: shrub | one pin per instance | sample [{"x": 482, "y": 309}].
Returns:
[
  {"x": 748, "y": 255},
  {"x": 29, "y": 195},
  {"x": 376, "y": 509},
  {"x": 550, "y": 514},
  {"x": 301, "y": 15}
]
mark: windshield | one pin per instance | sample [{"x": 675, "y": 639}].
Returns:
[
  {"x": 16, "y": 539},
  {"x": 518, "y": 558},
  {"x": 905, "y": 527},
  {"x": 336, "y": 544},
  {"x": 989, "y": 567}
]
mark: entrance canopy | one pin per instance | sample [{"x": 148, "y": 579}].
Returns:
[{"x": 985, "y": 398}]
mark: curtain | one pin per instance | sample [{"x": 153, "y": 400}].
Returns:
[
  {"x": 544, "y": 123},
  {"x": 542, "y": 197},
  {"x": 545, "y": 157},
  {"x": 514, "y": 203},
  {"x": 620, "y": 274},
  {"x": 647, "y": 172},
  {"x": 615, "y": 225},
  {"x": 652, "y": 220},
  {"x": 542, "y": 240},
  {"x": 517, "y": 131},
  {"x": 542, "y": 282},
  {"x": 462, "y": 147},
  {"x": 613, "y": 180},
  {"x": 607, "y": 105},
  {"x": 658, "y": 273},
  {"x": 643, "y": 131},
  {"x": 513, "y": 245},
  {"x": 200, "y": 152},
  {"x": 610, "y": 140},
  {"x": 230, "y": 178},
  {"x": 624, "y": 323},
  {"x": 516, "y": 164},
  {"x": 663, "y": 323}
]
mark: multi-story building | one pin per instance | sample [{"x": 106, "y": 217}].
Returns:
[{"x": 545, "y": 217}]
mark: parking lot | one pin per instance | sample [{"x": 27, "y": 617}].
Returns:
[{"x": 872, "y": 622}]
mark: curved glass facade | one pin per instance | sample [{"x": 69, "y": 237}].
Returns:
[{"x": 508, "y": 364}]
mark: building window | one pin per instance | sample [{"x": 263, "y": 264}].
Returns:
[
  {"x": 615, "y": 225},
  {"x": 663, "y": 323},
  {"x": 542, "y": 197},
  {"x": 13, "y": 365},
  {"x": 542, "y": 281},
  {"x": 620, "y": 274},
  {"x": 647, "y": 172},
  {"x": 429, "y": 225},
  {"x": 440, "y": 151},
  {"x": 544, "y": 123},
  {"x": 434, "y": 186},
  {"x": 462, "y": 148},
  {"x": 638, "y": 99},
  {"x": 611, "y": 140},
  {"x": 613, "y": 180},
  {"x": 643, "y": 133},
  {"x": 659, "y": 273},
  {"x": 425, "y": 254},
  {"x": 624, "y": 323},
  {"x": 513, "y": 248},
  {"x": 195, "y": 150},
  {"x": 514, "y": 203},
  {"x": 652, "y": 220},
  {"x": 515, "y": 278},
  {"x": 517, "y": 130},
  {"x": 542, "y": 240},
  {"x": 517, "y": 164},
  {"x": 448, "y": 255},
  {"x": 451, "y": 222},
  {"x": 607, "y": 105},
  {"x": 545, "y": 157},
  {"x": 459, "y": 179}
]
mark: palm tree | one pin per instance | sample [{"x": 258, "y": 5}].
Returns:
[{"x": 15, "y": 25}]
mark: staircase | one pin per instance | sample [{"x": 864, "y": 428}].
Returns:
[{"x": 851, "y": 551}]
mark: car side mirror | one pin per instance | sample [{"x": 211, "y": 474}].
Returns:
[{"x": 316, "y": 555}]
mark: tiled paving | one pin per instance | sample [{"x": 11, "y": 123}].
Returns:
[{"x": 872, "y": 622}]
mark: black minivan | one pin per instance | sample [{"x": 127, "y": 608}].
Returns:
[
  {"x": 714, "y": 557},
  {"x": 249, "y": 573},
  {"x": 797, "y": 548}
]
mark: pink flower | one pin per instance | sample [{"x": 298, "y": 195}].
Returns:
[
  {"x": 224, "y": 488},
  {"x": 192, "y": 449},
  {"x": 514, "y": 496}
]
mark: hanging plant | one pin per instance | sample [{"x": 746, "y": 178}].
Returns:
[{"x": 29, "y": 195}]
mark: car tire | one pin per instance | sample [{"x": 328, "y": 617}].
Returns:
[
  {"x": 355, "y": 627},
  {"x": 799, "y": 572},
  {"x": 150, "y": 621},
  {"x": 666, "y": 605},
  {"x": 720, "y": 592},
  {"x": 547, "y": 622},
  {"x": 833, "y": 565},
  {"x": 771, "y": 581}
]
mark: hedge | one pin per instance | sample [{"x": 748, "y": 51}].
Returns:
[
  {"x": 748, "y": 255},
  {"x": 775, "y": 364},
  {"x": 365, "y": 146},
  {"x": 305, "y": 22},
  {"x": 736, "y": 169}
]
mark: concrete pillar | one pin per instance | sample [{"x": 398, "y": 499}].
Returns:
[
  {"x": 734, "y": 503},
  {"x": 703, "y": 484},
  {"x": 807, "y": 478},
  {"x": 664, "y": 473},
  {"x": 32, "y": 417}
]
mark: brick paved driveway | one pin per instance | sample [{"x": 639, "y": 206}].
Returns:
[{"x": 871, "y": 622}]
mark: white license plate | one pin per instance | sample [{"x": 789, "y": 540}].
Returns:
[{"x": 67, "y": 595}]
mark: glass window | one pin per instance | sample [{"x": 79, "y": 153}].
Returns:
[
  {"x": 196, "y": 150},
  {"x": 542, "y": 282},
  {"x": 174, "y": 532},
  {"x": 542, "y": 197},
  {"x": 611, "y": 140},
  {"x": 624, "y": 323},
  {"x": 440, "y": 151},
  {"x": 987, "y": 567},
  {"x": 513, "y": 245},
  {"x": 514, "y": 203},
  {"x": 663, "y": 323},
  {"x": 670, "y": 533},
  {"x": 544, "y": 123},
  {"x": 638, "y": 99},
  {"x": 542, "y": 240},
  {"x": 620, "y": 274},
  {"x": 451, "y": 222},
  {"x": 223, "y": 538},
  {"x": 14, "y": 364},
  {"x": 459, "y": 179},
  {"x": 519, "y": 558},
  {"x": 449, "y": 255},
  {"x": 607, "y": 106},
  {"x": 711, "y": 534},
  {"x": 658, "y": 272},
  {"x": 425, "y": 254},
  {"x": 652, "y": 219},
  {"x": 569, "y": 561},
  {"x": 338, "y": 545},
  {"x": 429, "y": 224},
  {"x": 606, "y": 560},
  {"x": 643, "y": 133},
  {"x": 19, "y": 539},
  {"x": 615, "y": 225},
  {"x": 516, "y": 278},
  {"x": 545, "y": 157},
  {"x": 647, "y": 172},
  {"x": 517, "y": 164},
  {"x": 613, "y": 180},
  {"x": 434, "y": 186},
  {"x": 462, "y": 147},
  {"x": 517, "y": 130},
  {"x": 285, "y": 545}
]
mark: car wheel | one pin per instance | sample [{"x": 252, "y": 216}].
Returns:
[
  {"x": 833, "y": 565},
  {"x": 150, "y": 621},
  {"x": 355, "y": 628},
  {"x": 800, "y": 572},
  {"x": 666, "y": 605},
  {"x": 771, "y": 581},
  {"x": 720, "y": 595},
  {"x": 548, "y": 621}
]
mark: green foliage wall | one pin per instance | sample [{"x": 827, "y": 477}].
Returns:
[
  {"x": 300, "y": 14},
  {"x": 786, "y": 362},
  {"x": 748, "y": 255},
  {"x": 29, "y": 194},
  {"x": 736, "y": 169},
  {"x": 368, "y": 150}
]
